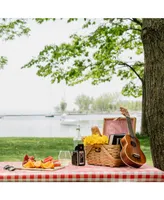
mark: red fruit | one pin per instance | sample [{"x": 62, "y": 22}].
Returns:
[
  {"x": 55, "y": 161},
  {"x": 57, "y": 164},
  {"x": 49, "y": 158},
  {"x": 31, "y": 158},
  {"x": 24, "y": 162},
  {"x": 25, "y": 159}
]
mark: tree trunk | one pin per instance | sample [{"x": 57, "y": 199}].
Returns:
[
  {"x": 153, "y": 42},
  {"x": 144, "y": 130}
]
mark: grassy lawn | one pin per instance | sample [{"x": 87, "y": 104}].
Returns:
[
  {"x": 145, "y": 146},
  {"x": 14, "y": 148}
]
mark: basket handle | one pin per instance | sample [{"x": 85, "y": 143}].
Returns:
[{"x": 97, "y": 149}]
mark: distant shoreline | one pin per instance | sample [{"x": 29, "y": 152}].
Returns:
[{"x": 58, "y": 114}]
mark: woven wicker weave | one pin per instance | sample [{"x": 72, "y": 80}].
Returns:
[{"x": 105, "y": 155}]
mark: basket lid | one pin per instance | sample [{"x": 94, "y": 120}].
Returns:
[{"x": 117, "y": 125}]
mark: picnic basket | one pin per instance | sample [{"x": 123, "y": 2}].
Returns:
[{"x": 107, "y": 154}]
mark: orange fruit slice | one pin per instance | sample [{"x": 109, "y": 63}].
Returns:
[
  {"x": 47, "y": 165},
  {"x": 38, "y": 164},
  {"x": 29, "y": 164}
]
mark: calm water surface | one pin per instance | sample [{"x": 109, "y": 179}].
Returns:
[{"x": 40, "y": 126}]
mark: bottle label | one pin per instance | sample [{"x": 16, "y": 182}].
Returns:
[{"x": 81, "y": 158}]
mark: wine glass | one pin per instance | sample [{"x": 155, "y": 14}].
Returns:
[{"x": 64, "y": 157}]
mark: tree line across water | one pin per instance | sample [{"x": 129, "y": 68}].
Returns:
[{"x": 104, "y": 103}]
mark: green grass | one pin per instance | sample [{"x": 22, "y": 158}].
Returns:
[
  {"x": 14, "y": 148},
  {"x": 145, "y": 146}
]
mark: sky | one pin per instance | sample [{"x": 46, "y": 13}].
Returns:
[{"x": 22, "y": 91}]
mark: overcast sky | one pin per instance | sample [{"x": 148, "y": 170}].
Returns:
[{"x": 22, "y": 91}]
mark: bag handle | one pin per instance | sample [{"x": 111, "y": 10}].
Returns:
[{"x": 97, "y": 149}]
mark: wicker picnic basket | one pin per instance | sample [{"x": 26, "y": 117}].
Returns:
[
  {"x": 107, "y": 154},
  {"x": 104, "y": 155}
]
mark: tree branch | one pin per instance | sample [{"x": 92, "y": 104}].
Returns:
[
  {"x": 137, "y": 21},
  {"x": 135, "y": 29},
  {"x": 127, "y": 65}
]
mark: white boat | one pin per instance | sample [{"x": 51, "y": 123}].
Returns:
[{"x": 66, "y": 121}]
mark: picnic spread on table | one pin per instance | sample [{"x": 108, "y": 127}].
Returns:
[{"x": 112, "y": 156}]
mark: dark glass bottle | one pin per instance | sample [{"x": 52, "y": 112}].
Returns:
[{"x": 80, "y": 154}]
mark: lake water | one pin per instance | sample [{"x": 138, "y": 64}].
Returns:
[{"x": 40, "y": 126}]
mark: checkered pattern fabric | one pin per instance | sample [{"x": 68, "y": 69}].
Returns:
[{"x": 87, "y": 173}]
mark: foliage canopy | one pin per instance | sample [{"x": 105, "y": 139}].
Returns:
[
  {"x": 96, "y": 55},
  {"x": 9, "y": 30}
]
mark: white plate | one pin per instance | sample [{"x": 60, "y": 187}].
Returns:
[{"x": 41, "y": 169}]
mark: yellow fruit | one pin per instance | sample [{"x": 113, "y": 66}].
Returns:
[
  {"x": 47, "y": 165},
  {"x": 38, "y": 164},
  {"x": 29, "y": 164}
]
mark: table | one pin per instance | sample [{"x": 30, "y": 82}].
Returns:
[{"x": 87, "y": 173}]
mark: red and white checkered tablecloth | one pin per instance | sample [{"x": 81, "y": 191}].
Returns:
[{"x": 87, "y": 173}]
